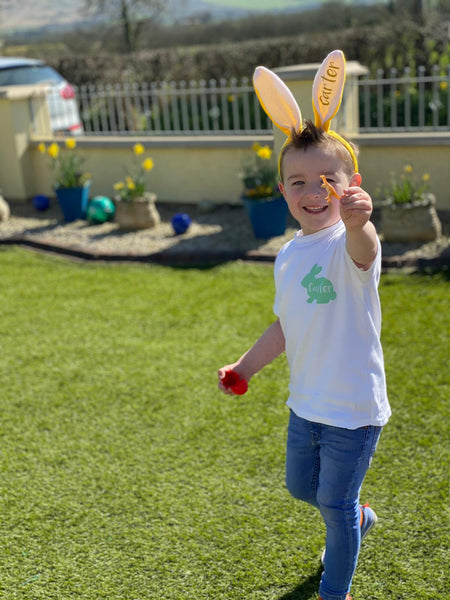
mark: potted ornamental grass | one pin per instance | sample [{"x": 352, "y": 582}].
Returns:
[
  {"x": 408, "y": 211},
  {"x": 135, "y": 206},
  {"x": 72, "y": 184},
  {"x": 262, "y": 199}
]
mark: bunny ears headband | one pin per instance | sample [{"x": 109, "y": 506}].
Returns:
[{"x": 280, "y": 105}]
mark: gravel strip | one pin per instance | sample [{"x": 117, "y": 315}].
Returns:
[{"x": 223, "y": 231}]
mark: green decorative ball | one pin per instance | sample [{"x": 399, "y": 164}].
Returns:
[{"x": 100, "y": 209}]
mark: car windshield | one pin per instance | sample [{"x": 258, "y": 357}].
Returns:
[{"x": 28, "y": 74}]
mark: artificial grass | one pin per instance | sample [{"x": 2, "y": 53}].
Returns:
[{"x": 126, "y": 475}]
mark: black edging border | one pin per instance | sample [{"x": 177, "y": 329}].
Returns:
[{"x": 207, "y": 259}]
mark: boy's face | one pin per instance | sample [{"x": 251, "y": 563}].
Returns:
[{"x": 302, "y": 186}]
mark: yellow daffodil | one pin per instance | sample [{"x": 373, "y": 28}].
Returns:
[
  {"x": 260, "y": 174},
  {"x": 230, "y": 98},
  {"x": 53, "y": 150},
  {"x": 138, "y": 149},
  {"x": 265, "y": 152},
  {"x": 407, "y": 189},
  {"x": 66, "y": 163},
  {"x": 134, "y": 185},
  {"x": 147, "y": 165}
]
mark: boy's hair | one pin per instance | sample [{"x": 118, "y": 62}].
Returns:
[{"x": 311, "y": 135}]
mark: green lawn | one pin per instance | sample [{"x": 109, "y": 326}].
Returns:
[{"x": 126, "y": 475}]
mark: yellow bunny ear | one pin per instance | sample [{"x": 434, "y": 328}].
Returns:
[
  {"x": 328, "y": 87},
  {"x": 277, "y": 100}
]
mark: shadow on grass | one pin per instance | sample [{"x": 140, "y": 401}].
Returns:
[{"x": 305, "y": 589}]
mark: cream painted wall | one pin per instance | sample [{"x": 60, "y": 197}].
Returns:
[
  {"x": 189, "y": 170},
  {"x": 210, "y": 171}
]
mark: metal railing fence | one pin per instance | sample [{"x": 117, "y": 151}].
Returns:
[
  {"x": 394, "y": 102},
  {"x": 213, "y": 107},
  {"x": 405, "y": 102}
]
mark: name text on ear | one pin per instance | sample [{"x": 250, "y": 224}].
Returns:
[{"x": 331, "y": 77}]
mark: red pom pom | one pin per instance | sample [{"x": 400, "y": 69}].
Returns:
[
  {"x": 240, "y": 387},
  {"x": 233, "y": 381},
  {"x": 230, "y": 378}
]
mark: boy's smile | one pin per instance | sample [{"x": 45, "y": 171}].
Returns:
[
  {"x": 302, "y": 186},
  {"x": 315, "y": 209}
]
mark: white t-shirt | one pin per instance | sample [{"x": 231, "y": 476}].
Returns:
[{"x": 330, "y": 314}]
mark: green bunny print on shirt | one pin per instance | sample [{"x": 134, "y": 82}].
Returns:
[{"x": 319, "y": 289}]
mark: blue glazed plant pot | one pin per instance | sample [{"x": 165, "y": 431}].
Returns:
[
  {"x": 73, "y": 202},
  {"x": 267, "y": 215}
]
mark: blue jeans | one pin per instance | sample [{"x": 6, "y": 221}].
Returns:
[{"x": 325, "y": 466}]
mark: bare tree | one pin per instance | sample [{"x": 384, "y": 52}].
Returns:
[{"x": 131, "y": 14}]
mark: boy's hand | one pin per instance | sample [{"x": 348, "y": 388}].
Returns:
[{"x": 356, "y": 205}]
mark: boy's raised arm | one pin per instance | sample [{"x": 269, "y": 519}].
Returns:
[
  {"x": 362, "y": 239},
  {"x": 362, "y": 245}
]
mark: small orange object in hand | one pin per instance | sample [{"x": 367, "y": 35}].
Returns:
[{"x": 329, "y": 188}]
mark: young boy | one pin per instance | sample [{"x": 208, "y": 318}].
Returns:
[{"x": 329, "y": 324}]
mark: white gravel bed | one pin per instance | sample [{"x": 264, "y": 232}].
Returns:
[{"x": 223, "y": 229}]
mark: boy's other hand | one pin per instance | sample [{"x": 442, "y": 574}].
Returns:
[{"x": 222, "y": 373}]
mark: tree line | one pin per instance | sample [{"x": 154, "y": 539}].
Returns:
[{"x": 375, "y": 35}]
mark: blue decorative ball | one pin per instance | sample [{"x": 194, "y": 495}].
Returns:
[
  {"x": 180, "y": 223},
  {"x": 100, "y": 209},
  {"x": 41, "y": 202}
]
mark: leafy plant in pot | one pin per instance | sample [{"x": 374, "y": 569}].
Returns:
[
  {"x": 135, "y": 206},
  {"x": 261, "y": 197},
  {"x": 408, "y": 212},
  {"x": 72, "y": 184}
]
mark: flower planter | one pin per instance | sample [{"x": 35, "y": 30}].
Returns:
[
  {"x": 267, "y": 215},
  {"x": 417, "y": 222},
  {"x": 140, "y": 213},
  {"x": 73, "y": 201}
]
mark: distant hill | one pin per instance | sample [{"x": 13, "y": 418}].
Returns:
[
  {"x": 53, "y": 15},
  {"x": 37, "y": 14}
]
